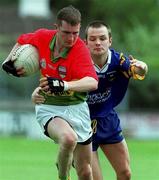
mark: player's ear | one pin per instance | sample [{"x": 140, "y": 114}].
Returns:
[
  {"x": 110, "y": 41},
  {"x": 55, "y": 25}
]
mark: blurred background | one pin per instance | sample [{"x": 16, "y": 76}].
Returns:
[
  {"x": 24, "y": 153},
  {"x": 135, "y": 30}
]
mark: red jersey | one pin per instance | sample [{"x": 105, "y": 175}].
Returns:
[{"x": 72, "y": 64}]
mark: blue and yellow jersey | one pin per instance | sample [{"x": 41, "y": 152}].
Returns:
[{"x": 113, "y": 82}]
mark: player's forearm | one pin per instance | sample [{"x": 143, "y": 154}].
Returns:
[
  {"x": 49, "y": 84},
  {"x": 84, "y": 84}
]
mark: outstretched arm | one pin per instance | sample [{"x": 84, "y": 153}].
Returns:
[{"x": 56, "y": 85}]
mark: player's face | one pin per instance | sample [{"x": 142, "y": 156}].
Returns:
[
  {"x": 68, "y": 34},
  {"x": 98, "y": 40}
]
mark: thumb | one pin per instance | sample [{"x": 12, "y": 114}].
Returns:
[{"x": 131, "y": 57}]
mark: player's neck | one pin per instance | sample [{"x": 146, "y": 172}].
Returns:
[
  {"x": 57, "y": 49},
  {"x": 100, "y": 60}
]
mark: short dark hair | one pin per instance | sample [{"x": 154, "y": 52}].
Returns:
[
  {"x": 69, "y": 14},
  {"x": 97, "y": 24}
]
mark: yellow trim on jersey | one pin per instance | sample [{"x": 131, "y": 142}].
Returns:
[{"x": 94, "y": 126}]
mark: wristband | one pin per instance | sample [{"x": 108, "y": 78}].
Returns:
[{"x": 66, "y": 87}]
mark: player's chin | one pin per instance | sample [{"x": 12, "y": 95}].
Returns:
[
  {"x": 70, "y": 44},
  {"x": 98, "y": 53}
]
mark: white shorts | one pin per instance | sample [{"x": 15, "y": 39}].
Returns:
[{"x": 76, "y": 115}]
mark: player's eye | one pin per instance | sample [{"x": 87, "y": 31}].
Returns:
[
  {"x": 75, "y": 33},
  {"x": 66, "y": 32},
  {"x": 92, "y": 39},
  {"x": 69, "y": 33},
  {"x": 103, "y": 38}
]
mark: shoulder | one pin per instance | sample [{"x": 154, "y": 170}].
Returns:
[
  {"x": 118, "y": 57},
  {"x": 115, "y": 54}
]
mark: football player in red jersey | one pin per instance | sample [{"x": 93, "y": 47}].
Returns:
[{"x": 67, "y": 75}]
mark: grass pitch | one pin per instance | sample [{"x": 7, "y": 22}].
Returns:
[{"x": 25, "y": 159}]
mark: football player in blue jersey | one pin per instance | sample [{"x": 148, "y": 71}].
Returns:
[{"x": 114, "y": 71}]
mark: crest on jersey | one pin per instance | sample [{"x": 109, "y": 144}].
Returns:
[{"x": 62, "y": 71}]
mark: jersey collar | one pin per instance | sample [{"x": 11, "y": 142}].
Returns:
[
  {"x": 105, "y": 67},
  {"x": 63, "y": 54}
]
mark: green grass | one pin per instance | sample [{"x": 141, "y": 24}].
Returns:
[
  {"x": 25, "y": 159},
  {"x": 144, "y": 161}
]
